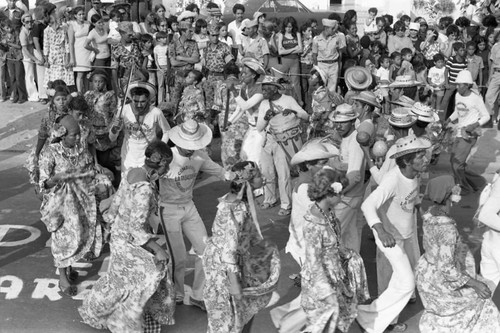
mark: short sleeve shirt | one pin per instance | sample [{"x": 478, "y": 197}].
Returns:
[
  {"x": 26, "y": 39},
  {"x": 495, "y": 56},
  {"x": 186, "y": 49},
  {"x": 256, "y": 48},
  {"x": 37, "y": 32},
  {"x": 327, "y": 48},
  {"x": 216, "y": 56}
]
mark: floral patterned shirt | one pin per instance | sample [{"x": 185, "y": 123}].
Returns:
[
  {"x": 103, "y": 108},
  {"x": 187, "y": 49},
  {"x": 192, "y": 102},
  {"x": 126, "y": 57},
  {"x": 216, "y": 56}
]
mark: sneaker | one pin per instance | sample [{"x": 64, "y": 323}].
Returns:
[{"x": 198, "y": 303}]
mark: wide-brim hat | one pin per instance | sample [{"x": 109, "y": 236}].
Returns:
[
  {"x": 321, "y": 73},
  {"x": 329, "y": 23},
  {"x": 410, "y": 144},
  {"x": 139, "y": 84},
  {"x": 403, "y": 101},
  {"x": 343, "y": 113},
  {"x": 272, "y": 80},
  {"x": 464, "y": 76},
  {"x": 119, "y": 4},
  {"x": 358, "y": 78},
  {"x": 215, "y": 11},
  {"x": 191, "y": 135},
  {"x": 186, "y": 14},
  {"x": 249, "y": 23},
  {"x": 402, "y": 117},
  {"x": 312, "y": 151},
  {"x": 257, "y": 15},
  {"x": 254, "y": 64},
  {"x": 404, "y": 81},
  {"x": 367, "y": 97},
  {"x": 424, "y": 113},
  {"x": 126, "y": 28}
]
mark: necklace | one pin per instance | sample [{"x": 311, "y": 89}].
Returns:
[{"x": 331, "y": 221}]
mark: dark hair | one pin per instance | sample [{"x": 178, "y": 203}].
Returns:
[
  {"x": 237, "y": 7},
  {"x": 435, "y": 34},
  {"x": 93, "y": 20},
  {"x": 406, "y": 51},
  {"x": 335, "y": 16},
  {"x": 159, "y": 6},
  {"x": 438, "y": 57},
  {"x": 462, "y": 22},
  {"x": 304, "y": 27},
  {"x": 212, "y": 5},
  {"x": 231, "y": 69},
  {"x": 399, "y": 25},
  {"x": 395, "y": 54},
  {"x": 235, "y": 187},
  {"x": 320, "y": 79},
  {"x": 311, "y": 21},
  {"x": 115, "y": 13},
  {"x": 380, "y": 19},
  {"x": 198, "y": 76},
  {"x": 424, "y": 94},
  {"x": 171, "y": 20},
  {"x": 471, "y": 43},
  {"x": 79, "y": 103},
  {"x": 452, "y": 30},
  {"x": 161, "y": 34},
  {"x": 290, "y": 20},
  {"x": 444, "y": 22},
  {"x": 349, "y": 25},
  {"x": 373, "y": 10},
  {"x": 148, "y": 38},
  {"x": 383, "y": 57},
  {"x": 200, "y": 23},
  {"x": 405, "y": 18},
  {"x": 157, "y": 146},
  {"x": 304, "y": 166},
  {"x": 389, "y": 19},
  {"x": 457, "y": 46},
  {"x": 378, "y": 44},
  {"x": 490, "y": 21},
  {"x": 192, "y": 7},
  {"x": 320, "y": 187},
  {"x": 365, "y": 42},
  {"x": 348, "y": 16},
  {"x": 481, "y": 39},
  {"x": 139, "y": 91},
  {"x": 402, "y": 161}
]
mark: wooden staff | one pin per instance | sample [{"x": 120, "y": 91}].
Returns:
[
  {"x": 115, "y": 129},
  {"x": 226, "y": 114}
]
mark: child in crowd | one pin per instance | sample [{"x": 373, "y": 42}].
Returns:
[
  {"x": 192, "y": 105},
  {"x": 365, "y": 43},
  {"x": 475, "y": 63},
  {"x": 406, "y": 66},
  {"x": 377, "y": 49},
  {"x": 484, "y": 53},
  {"x": 224, "y": 35},
  {"x": 173, "y": 28},
  {"x": 146, "y": 46},
  {"x": 370, "y": 25},
  {"x": 161, "y": 60},
  {"x": 395, "y": 66},
  {"x": 162, "y": 26},
  {"x": 436, "y": 78},
  {"x": 383, "y": 72},
  {"x": 352, "y": 40},
  {"x": 114, "y": 18}
]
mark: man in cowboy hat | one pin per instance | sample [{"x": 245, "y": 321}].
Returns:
[
  {"x": 140, "y": 121},
  {"x": 365, "y": 104},
  {"x": 326, "y": 51},
  {"x": 183, "y": 53},
  {"x": 279, "y": 115},
  {"x": 254, "y": 45},
  {"x": 351, "y": 160},
  {"x": 357, "y": 79},
  {"x": 390, "y": 212},
  {"x": 177, "y": 208},
  {"x": 470, "y": 113}
]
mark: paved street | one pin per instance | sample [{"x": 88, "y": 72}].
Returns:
[{"x": 29, "y": 301}]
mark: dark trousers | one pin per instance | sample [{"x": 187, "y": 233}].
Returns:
[
  {"x": 17, "y": 82},
  {"x": 467, "y": 179}
]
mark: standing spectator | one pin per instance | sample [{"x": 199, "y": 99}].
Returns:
[
  {"x": 436, "y": 79},
  {"x": 14, "y": 9},
  {"x": 148, "y": 24},
  {"x": 78, "y": 31},
  {"x": 352, "y": 40},
  {"x": 430, "y": 47},
  {"x": 306, "y": 63},
  {"x": 14, "y": 62},
  {"x": 454, "y": 65},
  {"x": 255, "y": 46},
  {"x": 29, "y": 60},
  {"x": 399, "y": 41},
  {"x": 474, "y": 63},
  {"x": 41, "y": 21},
  {"x": 290, "y": 48},
  {"x": 484, "y": 53},
  {"x": 379, "y": 34},
  {"x": 350, "y": 16},
  {"x": 160, "y": 11},
  {"x": 494, "y": 82},
  {"x": 97, "y": 8},
  {"x": 97, "y": 42},
  {"x": 452, "y": 36},
  {"x": 56, "y": 52},
  {"x": 224, "y": 35},
  {"x": 414, "y": 37},
  {"x": 161, "y": 60},
  {"x": 370, "y": 24},
  {"x": 327, "y": 54},
  {"x": 234, "y": 27},
  {"x": 4, "y": 50},
  {"x": 200, "y": 36}
]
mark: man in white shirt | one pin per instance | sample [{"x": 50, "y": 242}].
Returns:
[
  {"x": 279, "y": 116},
  {"x": 351, "y": 161},
  {"x": 234, "y": 27},
  {"x": 29, "y": 59},
  {"x": 177, "y": 208},
  {"x": 470, "y": 113},
  {"x": 390, "y": 212}
]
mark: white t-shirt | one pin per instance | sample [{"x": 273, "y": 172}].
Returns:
[
  {"x": 383, "y": 73},
  {"x": 472, "y": 14},
  {"x": 135, "y": 141},
  {"x": 235, "y": 31},
  {"x": 176, "y": 186},
  {"x": 468, "y": 110},
  {"x": 393, "y": 204},
  {"x": 300, "y": 205},
  {"x": 352, "y": 161},
  {"x": 101, "y": 43},
  {"x": 436, "y": 75},
  {"x": 113, "y": 31},
  {"x": 160, "y": 52}
]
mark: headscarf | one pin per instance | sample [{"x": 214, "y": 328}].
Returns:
[{"x": 439, "y": 188}]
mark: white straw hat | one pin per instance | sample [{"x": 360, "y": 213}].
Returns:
[
  {"x": 402, "y": 117},
  {"x": 191, "y": 135},
  {"x": 424, "y": 113},
  {"x": 410, "y": 144},
  {"x": 312, "y": 151},
  {"x": 464, "y": 77}
]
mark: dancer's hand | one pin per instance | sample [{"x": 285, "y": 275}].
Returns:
[
  {"x": 161, "y": 255},
  {"x": 481, "y": 288},
  {"x": 385, "y": 238}
]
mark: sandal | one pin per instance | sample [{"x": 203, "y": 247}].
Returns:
[
  {"x": 285, "y": 212},
  {"x": 70, "y": 290},
  {"x": 71, "y": 274},
  {"x": 266, "y": 205}
]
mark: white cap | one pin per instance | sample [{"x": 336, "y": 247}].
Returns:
[
  {"x": 414, "y": 26},
  {"x": 464, "y": 77},
  {"x": 329, "y": 23}
]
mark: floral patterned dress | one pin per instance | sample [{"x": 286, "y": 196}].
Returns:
[
  {"x": 330, "y": 269},
  {"x": 232, "y": 137},
  {"x": 137, "y": 287},
  {"x": 103, "y": 106},
  {"x": 441, "y": 275},
  {"x": 69, "y": 209},
  {"x": 191, "y": 105},
  {"x": 56, "y": 51},
  {"x": 234, "y": 234}
]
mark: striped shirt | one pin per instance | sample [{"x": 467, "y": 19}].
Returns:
[{"x": 454, "y": 67}]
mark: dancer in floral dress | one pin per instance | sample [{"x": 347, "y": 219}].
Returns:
[
  {"x": 192, "y": 103},
  {"x": 56, "y": 51},
  {"x": 455, "y": 298},
  {"x": 138, "y": 287},
  {"x": 241, "y": 269},
  {"x": 333, "y": 276},
  {"x": 69, "y": 208},
  {"x": 237, "y": 122}
]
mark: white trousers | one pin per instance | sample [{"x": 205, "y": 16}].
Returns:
[
  {"x": 30, "y": 76},
  {"x": 375, "y": 317},
  {"x": 40, "y": 78},
  {"x": 490, "y": 257}
]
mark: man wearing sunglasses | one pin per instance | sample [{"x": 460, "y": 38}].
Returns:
[{"x": 29, "y": 59}]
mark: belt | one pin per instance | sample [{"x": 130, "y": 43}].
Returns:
[
  {"x": 328, "y": 61},
  {"x": 215, "y": 73}
]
